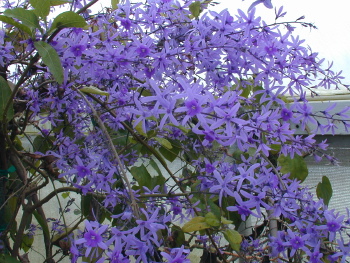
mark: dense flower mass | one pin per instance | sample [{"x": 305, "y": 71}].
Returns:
[{"x": 131, "y": 90}]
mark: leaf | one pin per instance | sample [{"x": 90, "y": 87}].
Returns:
[
  {"x": 11, "y": 21},
  {"x": 59, "y": 2},
  {"x": 51, "y": 59},
  {"x": 8, "y": 212},
  {"x": 27, "y": 241},
  {"x": 42, "y": 7},
  {"x": 86, "y": 203},
  {"x": 94, "y": 90},
  {"x": 114, "y": 4},
  {"x": 42, "y": 223},
  {"x": 68, "y": 19},
  {"x": 5, "y": 94},
  {"x": 164, "y": 142},
  {"x": 170, "y": 155},
  {"x": 76, "y": 212},
  {"x": 140, "y": 130},
  {"x": 27, "y": 17},
  {"x": 143, "y": 177},
  {"x": 8, "y": 259},
  {"x": 195, "y": 9},
  {"x": 65, "y": 195},
  {"x": 41, "y": 144},
  {"x": 178, "y": 236},
  {"x": 234, "y": 238},
  {"x": 324, "y": 190},
  {"x": 195, "y": 224},
  {"x": 18, "y": 144},
  {"x": 225, "y": 221},
  {"x": 214, "y": 208},
  {"x": 296, "y": 167},
  {"x": 155, "y": 166},
  {"x": 212, "y": 220}
]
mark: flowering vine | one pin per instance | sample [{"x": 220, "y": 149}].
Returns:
[{"x": 116, "y": 98}]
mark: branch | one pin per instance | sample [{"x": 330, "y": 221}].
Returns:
[
  {"x": 50, "y": 196},
  {"x": 115, "y": 155}
]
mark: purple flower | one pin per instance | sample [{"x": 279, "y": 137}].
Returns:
[
  {"x": 93, "y": 237},
  {"x": 296, "y": 242},
  {"x": 224, "y": 185},
  {"x": 148, "y": 228},
  {"x": 83, "y": 170},
  {"x": 286, "y": 114},
  {"x": 126, "y": 23},
  {"x": 315, "y": 256},
  {"x": 267, "y": 3},
  {"x": 193, "y": 108},
  {"x": 143, "y": 51},
  {"x": 333, "y": 224},
  {"x": 149, "y": 72},
  {"x": 177, "y": 255},
  {"x": 78, "y": 50}
]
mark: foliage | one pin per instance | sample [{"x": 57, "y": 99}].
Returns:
[{"x": 118, "y": 97}]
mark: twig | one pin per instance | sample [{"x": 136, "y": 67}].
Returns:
[{"x": 115, "y": 155}]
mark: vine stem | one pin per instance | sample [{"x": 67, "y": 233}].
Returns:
[
  {"x": 273, "y": 223},
  {"x": 134, "y": 205}
]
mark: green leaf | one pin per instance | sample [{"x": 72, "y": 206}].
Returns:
[
  {"x": 41, "y": 144},
  {"x": 234, "y": 238},
  {"x": 170, "y": 154},
  {"x": 195, "y": 9},
  {"x": 18, "y": 144},
  {"x": 28, "y": 17},
  {"x": 8, "y": 259},
  {"x": 42, "y": 223},
  {"x": 195, "y": 224},
  {"x": 8, "y": 212},
  {"x": 5, "y": 94},
  {"x": 68, "y": 19},
  {"x": 114, "y": 4},
  {"x": 51, "y": 59},
  {"x": 246, "y": 91},
  {"x": 143, "y": 177},
  {"x": 178, "y": 236},
  {"x": 212, "y": 220},
  {"x": 76, "y": 212},
  {"x": 140, "y": 130},
  {"x": 155, "y": 166},
  {"x": 94, "y": 90},
  {"x": 27, "y": 241},
  {"x": 225, "y": 221},
  {"x": 11, "y": 21},
  {"x": 324, "y": 190},
  {"x": 59, "y": 2},
  {"x": 86, "y": 203},
  {"x": 296, "y": 167},
  {"x": 213, "y": 207},
  {"x": 41, "y": 7},
  {"x": 164, "y": 142},
  {"x": 65, "y": 195}
]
